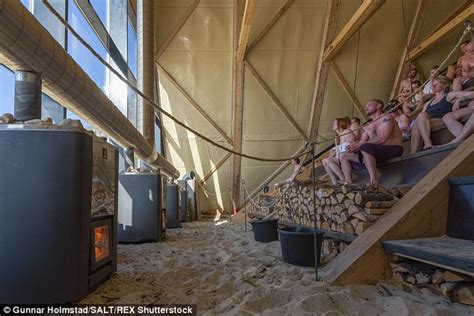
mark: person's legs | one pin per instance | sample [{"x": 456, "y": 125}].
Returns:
[
  {"x": 424, "y": 127},
  {"x": 327, "y": 167},
  {"x": 451, "y": 120},
  {"x": 415, "y": 137},
  {"x": 346, "y": 166},
  {"x": 467, "y": 130},
  {"x": 333, "y": 164},
  {"x": 371, "y": 165}
]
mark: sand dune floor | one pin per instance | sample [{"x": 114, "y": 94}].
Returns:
[{"x": 224, "y": 271}]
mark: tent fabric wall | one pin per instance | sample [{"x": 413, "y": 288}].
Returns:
[{"x": 200, "y": 59}]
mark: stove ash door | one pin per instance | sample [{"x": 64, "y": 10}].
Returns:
[{"x": 101, "y": 241}]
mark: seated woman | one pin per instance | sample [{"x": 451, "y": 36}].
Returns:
[
  {"x": 433, "y": 111},
  {"x": 344, "y": 137}
]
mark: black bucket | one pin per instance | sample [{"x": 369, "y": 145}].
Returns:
[
  {"x": 297, "y": 245},
  {"x": 265, "y": 230}
]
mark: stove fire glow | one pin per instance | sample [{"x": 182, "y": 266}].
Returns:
[{"x": 101, "y": 242}]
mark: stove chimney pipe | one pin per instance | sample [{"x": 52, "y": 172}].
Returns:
[{"x": 27, "y": 95}]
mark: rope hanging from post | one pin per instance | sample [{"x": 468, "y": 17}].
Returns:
[{"x": 468, "y": 30}]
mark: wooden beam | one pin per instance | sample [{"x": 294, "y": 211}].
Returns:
[
  {"x": 176, "y": 30},
  {"x": 245, "y": 28},
  {"x": 365, "y": 11},
  {"x": 455, "y": 13},
  {"x": 322, "y": 71},
  {"x": 237, "y": 105},
  {"x": 214, "y": 169},
  {"x": 347, "y": 88},
  {"x": 193, "y": 103},
  {"x": 412, "y": 39},
  {"x": 432, "y": 39},
  {"x": 276, "y": 100},
  {"x": 422, "y": 212},
  {"x": 269, "y": 26}
]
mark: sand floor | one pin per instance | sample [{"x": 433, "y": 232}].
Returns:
[{"x": 224, "y": 271}]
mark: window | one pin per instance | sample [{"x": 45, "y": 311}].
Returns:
[
  {"x": 91, "y": 65},
  {"x": 132, "y": 49},
  {"x": 7, "y": 90},
  {"x": 158, "y": 136}
]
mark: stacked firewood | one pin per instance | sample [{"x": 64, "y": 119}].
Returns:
[
  {"x": 420, "y": 277},
  {"x": 348, "y": 209}
]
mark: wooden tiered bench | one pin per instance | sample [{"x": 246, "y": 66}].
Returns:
[
  {"x": 444, "y": 252},
  {"x": 421, "y": 213}
]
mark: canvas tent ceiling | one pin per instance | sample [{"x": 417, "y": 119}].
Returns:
[{"x": 200, "y": 59}]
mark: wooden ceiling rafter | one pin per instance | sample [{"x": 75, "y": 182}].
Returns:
[
  {"x": 362, "y": 15},
  {"x": 194, "y": 103},
  {"x": 322, "y": 72},
  {"x": 431, "y": 40}
]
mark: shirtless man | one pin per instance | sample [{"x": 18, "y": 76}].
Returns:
[
  {"x": 466, "y": 66},
  {"x": 451, "y": 73},
  {"x": 406, "y": 84},
  {"x": 382, "y": 140}
]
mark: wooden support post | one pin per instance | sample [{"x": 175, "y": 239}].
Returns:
[
  {"x": 214, "y": 169},
  {"x": 269, "y": 26},
  {"x": 432, "y": 39},
  {"x": 322, "y": 71},
  {"x": 276, "y": 100},
  {"x": 412, "y": 39},
  {"x": 193, "y": 103},
  {"x": 422, "y": 212},
  {"x": 365, "y": 11},
  {"x": 237, "y": 108},
  {"x": 245, "y": 28},
  {"x": 347, "y": 88},
  {"x": 178, "y": 27}
]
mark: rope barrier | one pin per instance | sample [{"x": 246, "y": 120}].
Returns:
[
  {"x": 165, "y": 113},
  {"x": 149, "y": 100}
]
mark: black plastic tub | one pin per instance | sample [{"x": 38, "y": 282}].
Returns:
[
  {"x": 265, "y": 230},
  {"x": 297, "y": 245}
]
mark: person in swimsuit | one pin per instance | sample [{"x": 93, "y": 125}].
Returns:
[
  {"x": 433, "y": 111},
  {"x": 295, "y": 164},
  {"x": 381, "y": 141},
  {"x": 344, "y": 137}
]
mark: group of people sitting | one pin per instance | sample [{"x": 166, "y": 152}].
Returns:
[{"x": 445, "y": 98}]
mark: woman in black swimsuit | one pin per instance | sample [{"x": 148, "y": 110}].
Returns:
[{"x": 433, "y": 111}]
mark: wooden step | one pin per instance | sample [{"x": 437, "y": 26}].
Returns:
[{"x": 445, "y": 252}]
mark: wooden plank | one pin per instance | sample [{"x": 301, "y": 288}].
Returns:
[
  {"x": 432, "y": 263},
  {"x": 322, "y": 71},
  {"x": 455, "y": 13},
  {"x": 269, "y": 26},
  {"x": 412, "y": 39},
  {"x": 214, "y": 169},
  {"x": 245, "y": 28},
  {"x": 450, "y": 252},
  {"x": 434, "y": 38},
  {"x": 328, "y": 234},
  {"x": 277, "y": 102},
  {"x": 365, "y": 11},
  {"x": 193, "y": 103},
  {"x": 422, "y": 212},
  {"x": 176, "y": 30},
  {"x": 238, "y": 106},
  {"x": 345, "y": 86}
]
